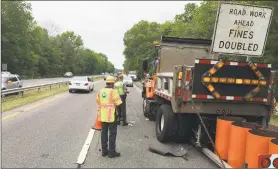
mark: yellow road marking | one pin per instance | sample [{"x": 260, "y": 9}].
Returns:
[{"x": 32, "y": 107}]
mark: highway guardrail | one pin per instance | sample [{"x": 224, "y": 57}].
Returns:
[{"x": 23, "y": 89}]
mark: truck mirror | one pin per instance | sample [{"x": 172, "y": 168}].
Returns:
[{"x": 145, "y": 65}]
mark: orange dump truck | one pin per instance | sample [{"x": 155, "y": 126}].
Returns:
[{"x": 208, "y": 102}]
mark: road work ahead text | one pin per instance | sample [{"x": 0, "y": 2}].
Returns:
[{"x": 241, "y": 30}]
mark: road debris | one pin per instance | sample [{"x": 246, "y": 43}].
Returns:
[{"x": 175, "y": 150}]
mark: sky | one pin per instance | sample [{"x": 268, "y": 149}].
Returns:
[{"x": 102, "y": 24}]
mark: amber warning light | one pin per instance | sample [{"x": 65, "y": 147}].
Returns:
[{"x": 208, "y": 80}]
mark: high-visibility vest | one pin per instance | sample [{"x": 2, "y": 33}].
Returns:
[
  {"x": 107, "y": 101},
  {"x": 119, "y": 86}
]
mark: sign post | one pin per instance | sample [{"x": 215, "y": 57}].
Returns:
[{"x": 241, "y": 30}]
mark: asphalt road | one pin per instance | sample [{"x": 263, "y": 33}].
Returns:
[{"x": 52, "y": 132}]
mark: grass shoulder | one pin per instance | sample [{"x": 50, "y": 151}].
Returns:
[
  {"x": 274, "y": 120},
  {"x": 14, "y": 101}
]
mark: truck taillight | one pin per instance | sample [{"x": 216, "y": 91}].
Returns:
[
  {"x": 179, "y": 92},
  {"x": 180, "y": 75},
  {"x": 86, "y": 84},
  {"x": 179, "y": 83}
]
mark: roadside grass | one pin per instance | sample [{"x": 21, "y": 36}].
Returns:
[
  {"x": 14, "y": 101},
  {"x": 274, "y": 120},
  {"x": 97, "y": 78}
]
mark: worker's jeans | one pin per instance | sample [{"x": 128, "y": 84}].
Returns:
[
  {"x": 112, "y": 128},
  {"x": 122, "y": 113}
]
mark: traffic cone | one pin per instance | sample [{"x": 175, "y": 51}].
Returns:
[{"x": 98, "y": 125}]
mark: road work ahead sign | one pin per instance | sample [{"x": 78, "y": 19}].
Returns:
[{"x": 241, "y": 30}]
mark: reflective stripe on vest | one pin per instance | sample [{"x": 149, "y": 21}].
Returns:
[
  {"x": 106, "y": 107},
  {"x": 119, "y": 86}
]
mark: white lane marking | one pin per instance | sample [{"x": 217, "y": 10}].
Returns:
[{"x": 82, "y": 156}]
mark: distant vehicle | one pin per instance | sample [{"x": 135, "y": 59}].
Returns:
[
  {"x": 6, "y": 73},
  {"x": 68, "y": 74},
  {"x": 133, "y": 75},
  {"x": 81, "y": 83},
  {"x": 128, "y": 81},
  {"x": 105, "y": 76},
  {"x": 11, "y": 81}
]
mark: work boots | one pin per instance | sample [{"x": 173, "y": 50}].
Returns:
[
  {"x": 104, "y": 153},
  {"x": 113, "y": 154}
]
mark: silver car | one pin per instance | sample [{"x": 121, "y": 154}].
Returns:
[
  {"x": 68, "y": 74},
  {"x": 127, "y": 80},
  {"x": 11, "y": 81}
]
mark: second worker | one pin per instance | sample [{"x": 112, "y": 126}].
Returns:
[{"x": 122, "y": 90}]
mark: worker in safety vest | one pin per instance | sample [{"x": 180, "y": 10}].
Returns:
[
  {"x": 108, "y": 101},
  {"x": 122, "y": 91}
]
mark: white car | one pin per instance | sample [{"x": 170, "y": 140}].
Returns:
[
  {"x": 81, "y": 83},
  {"x": 133, "y": 76},
  {"x": 128, "y": 81},
  {"x": 68, "y": 74}
]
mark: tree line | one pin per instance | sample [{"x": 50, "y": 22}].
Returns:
[
  {"x": 29, "y": 49},
  {"x": 195, "y": 22}
]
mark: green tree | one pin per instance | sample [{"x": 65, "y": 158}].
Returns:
[
  {"x": 29, "y": 50},
  {"x": 194, "y": 22}
]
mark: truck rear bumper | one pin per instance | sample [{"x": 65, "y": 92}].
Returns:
[{"x": 225, "y": 108}]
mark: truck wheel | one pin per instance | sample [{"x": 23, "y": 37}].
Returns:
[
  {"x": 146, "y": 107},
  {"x": 152, "y": 113},
  {"x": 165, "y": 118},
  {"x": 184, "y": 128}
]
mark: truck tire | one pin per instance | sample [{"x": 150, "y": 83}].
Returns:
[
  {"x": 184, "y": 128},
  {"x": 165, "y": 118},
  {"x": 149, "y": 110},
  {"x": 146, "y": 107},
  {"x": 152, "y": 114}
]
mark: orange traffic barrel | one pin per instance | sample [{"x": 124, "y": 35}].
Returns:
[
  {"x": 98, "y": 124},
  {"x": 237, "y": 144},
  {"x": 222, "y": 136},
  {"x": 273, "y": 146},
  {"x": 257, "y": 142}
]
